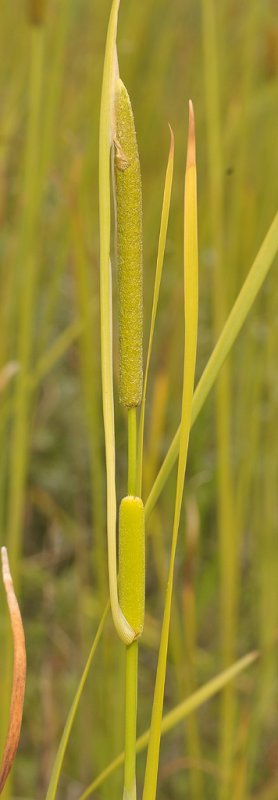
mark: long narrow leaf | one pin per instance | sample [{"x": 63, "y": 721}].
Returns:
[
  {"x": 57, "y": 766},
  {"x": 190, "y": 347},
  {"x": 158, "y": 274}
]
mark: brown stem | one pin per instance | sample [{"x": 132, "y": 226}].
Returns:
[{"x": 19, "y": 673}]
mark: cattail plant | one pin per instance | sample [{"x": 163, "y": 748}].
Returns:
[
  {"x": 128, "y": 205},
  {"x": 126, "y": 567},
  {"x": 117, "y": 130}
]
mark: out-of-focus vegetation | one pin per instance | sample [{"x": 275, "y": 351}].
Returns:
[{"x": 225, "y": 56}]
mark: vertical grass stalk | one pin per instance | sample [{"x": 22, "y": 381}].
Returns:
[
  {"x": 225, "y": 493},
  {"x": 158, "y": 274},
  {"x": 190, "y": 346}
]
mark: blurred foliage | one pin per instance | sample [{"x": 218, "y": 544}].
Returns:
[{"x": 56, "y": 503}]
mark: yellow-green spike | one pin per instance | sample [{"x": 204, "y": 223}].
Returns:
[
  {"x": 129, "y": 249},
  {"x": 132, "y": 561}
]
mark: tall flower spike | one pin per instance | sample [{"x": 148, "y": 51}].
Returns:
[
  {"x": 129, "y": 250},
  {"x": 19, "y": 673}
]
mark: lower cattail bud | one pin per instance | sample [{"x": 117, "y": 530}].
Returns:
[{"x": 132, "y": 562}]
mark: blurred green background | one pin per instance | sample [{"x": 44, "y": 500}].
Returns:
[{"x": 224, "y": 55}]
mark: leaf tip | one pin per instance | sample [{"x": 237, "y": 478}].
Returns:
[
  {"x": 5, "y": 565},
  {"x": 172, "y": 140},
  {"x": 191, "y": 146}
]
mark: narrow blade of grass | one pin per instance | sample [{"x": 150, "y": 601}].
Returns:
[
  {"x": 190, "y": 347},
  {"x": 158, "y": 274},
  {"x": 56, "y": 771}
]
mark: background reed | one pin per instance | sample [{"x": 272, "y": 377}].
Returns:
[{"x": 58, "y": 543}]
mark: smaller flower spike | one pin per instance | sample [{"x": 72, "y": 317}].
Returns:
[{"x": 19, "y": 673}]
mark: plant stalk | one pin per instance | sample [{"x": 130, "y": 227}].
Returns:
[{"x": 131, "y": 674}]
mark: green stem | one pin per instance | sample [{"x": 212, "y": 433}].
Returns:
[
  {"x": 132, "y": 649},
  {"x": 132, "y": 447},
  {"x": 130, "y": 720}
]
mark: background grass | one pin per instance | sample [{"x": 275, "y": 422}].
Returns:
[{"x": 224, "y": 56}]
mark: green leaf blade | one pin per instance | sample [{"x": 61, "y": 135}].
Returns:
[{"x": 190, "y": 348}]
